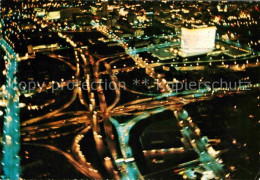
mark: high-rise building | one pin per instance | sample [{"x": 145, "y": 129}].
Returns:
[{"x": 198, "y": 40}]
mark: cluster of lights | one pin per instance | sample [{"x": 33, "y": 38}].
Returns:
[
  {"x": 207, "y": 155},
  {"x": 11, "y": 132},
  {"x": 214, "y": 164},
  {"x": 79, "y": 155},
  {"x": 161, "y": 81}
]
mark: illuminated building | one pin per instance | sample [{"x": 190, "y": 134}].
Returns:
[
  {"x": 199, "y": 40},
  {"x": 41, "y": 48},
  {"x": 53, "y": 15}
]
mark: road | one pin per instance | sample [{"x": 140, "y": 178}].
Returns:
[
  {"x": 89, "y": 172},
  {"x": 100, "y": 117}
]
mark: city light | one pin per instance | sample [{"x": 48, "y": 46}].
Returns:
[
  {"x": 111, "y": 89},
  {"x": 11, "y": 130}
]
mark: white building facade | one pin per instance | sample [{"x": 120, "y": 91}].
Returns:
[{"x": 198, "y": 40}]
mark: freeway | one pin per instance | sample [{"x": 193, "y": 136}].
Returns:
[
  {"x": 34, "y": 133},
  {"x": 116, "y": 86},
  {"x": 62, "y": 59},
  {"x": 117, "y": 163},
  {"x": 131, "y": 167},
  {"x": 48, "y": 115},
  {"x": 79, "y": 155},
  {"x": 107, "y": 161},
  {"x": 89, "y": 172},
  {"x": 124, "y": 129},
  {"x": 126, "y": 150},
  {"x": 51, "y": 130}
]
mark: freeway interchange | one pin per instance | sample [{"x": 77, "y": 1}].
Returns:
[{"x": 100, "y": 117}]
